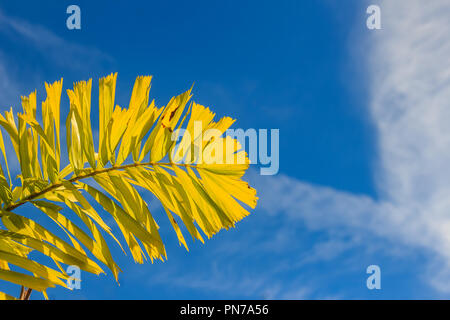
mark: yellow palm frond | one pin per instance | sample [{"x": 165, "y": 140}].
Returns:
[{"x": 136, "y": 149}]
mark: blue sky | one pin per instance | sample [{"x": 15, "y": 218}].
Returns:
[{"x": 362, "y": 118}]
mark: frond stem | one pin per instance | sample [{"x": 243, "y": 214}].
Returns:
[{"x": 88, "y": 175}]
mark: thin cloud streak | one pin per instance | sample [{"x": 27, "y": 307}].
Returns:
[
  {"x": 410, "y": 93},
  {"x": 51, "y": 46},
  {"x": 409, "y": 74}
]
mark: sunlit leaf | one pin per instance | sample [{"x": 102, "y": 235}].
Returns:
[{"x": 136, "y": 149}]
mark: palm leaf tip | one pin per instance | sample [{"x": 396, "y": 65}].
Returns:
[{"x": 135, "y": 150}]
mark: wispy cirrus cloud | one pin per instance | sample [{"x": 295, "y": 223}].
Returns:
[
  {"x": 51, "y": 46},
  {"x": 409, "y": 73},
  {"x": 8, "y": 88},
  {"x": 58, "y": 52}
]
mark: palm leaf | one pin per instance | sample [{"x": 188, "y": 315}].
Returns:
[{"x": 135, "y": 149}]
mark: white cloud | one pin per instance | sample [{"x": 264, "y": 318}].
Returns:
[
  {"x": 409, "y": 74},
  {"x": 8, "y": 89},
  {"x": 411, "y": 109},
  {"x": 54, "y": 49},
  {"x": 51, "y": 46}
]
